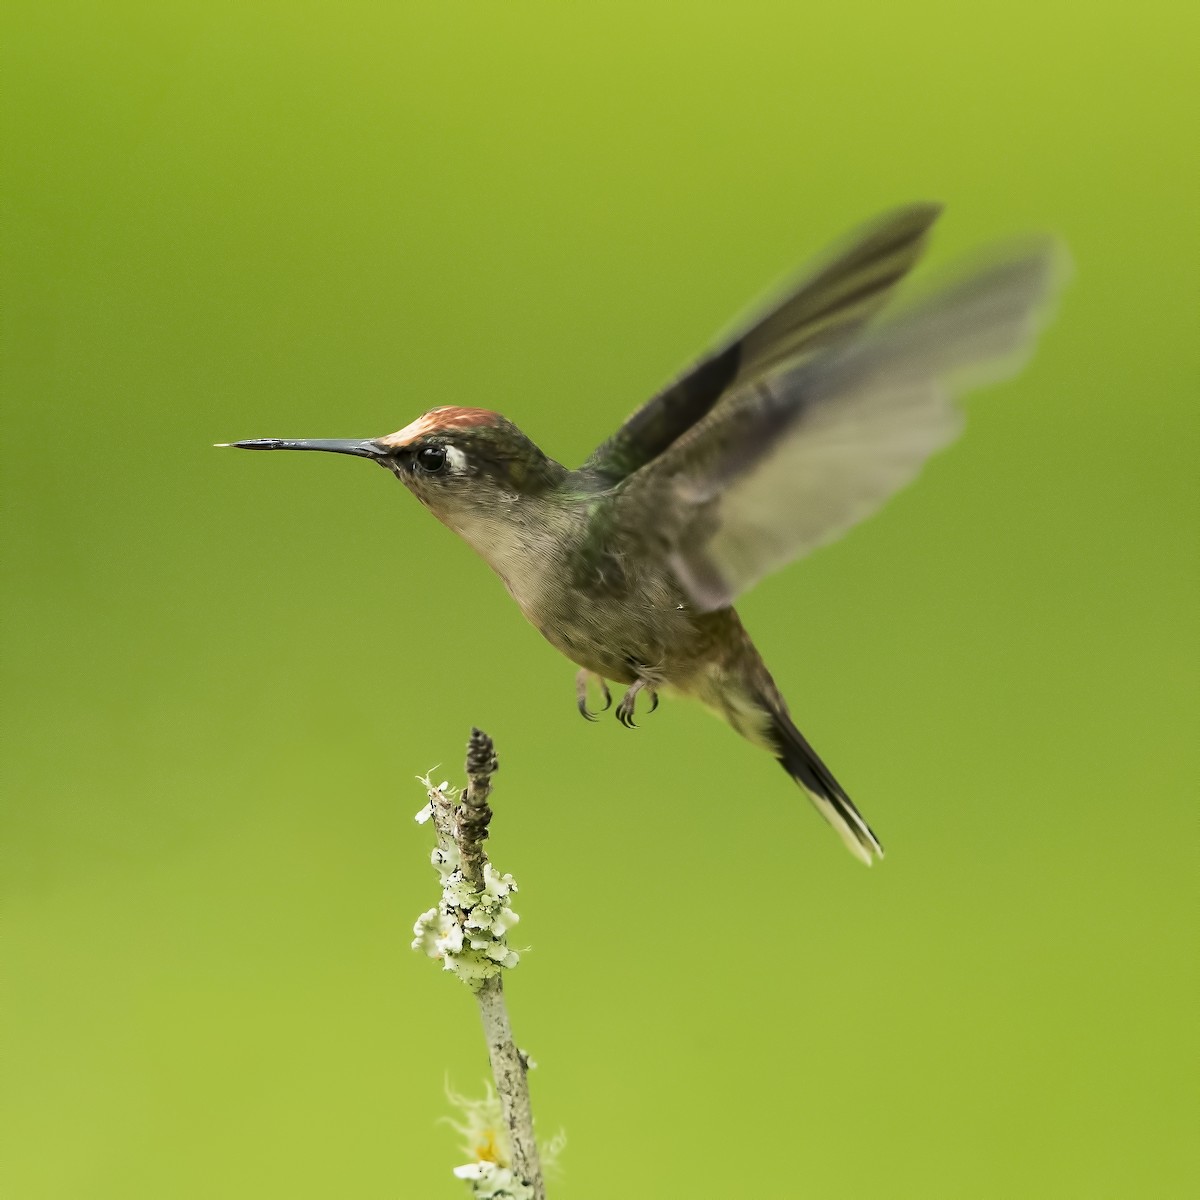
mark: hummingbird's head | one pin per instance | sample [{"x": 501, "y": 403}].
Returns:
[
  {"x": 459, "y": 460},
  {"x": 465, "y": 465}
]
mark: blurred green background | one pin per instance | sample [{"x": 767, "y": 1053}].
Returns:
[{"x": 224, "y": 671}]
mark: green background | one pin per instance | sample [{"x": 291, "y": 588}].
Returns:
[{"x": 224, "y": 671}]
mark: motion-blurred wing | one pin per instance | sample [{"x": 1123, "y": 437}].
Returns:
[
  {"x": 835, "y": 298},
  {"x": 802, "y": 454}
]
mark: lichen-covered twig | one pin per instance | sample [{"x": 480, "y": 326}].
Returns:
[{"x": 467, "y": 931}]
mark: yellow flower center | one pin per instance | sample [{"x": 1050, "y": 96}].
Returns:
[{"x": 488, "y": 1150}]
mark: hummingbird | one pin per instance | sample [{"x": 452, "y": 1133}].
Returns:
[{"x": 777, "y": 441}]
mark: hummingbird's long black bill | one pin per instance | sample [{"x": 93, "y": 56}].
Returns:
[{"x": 361, "y": 449}]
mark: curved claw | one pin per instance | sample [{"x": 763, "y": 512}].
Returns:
[
  {"x": 628, "y": 705},
  {"x": 581, "y": 682}
]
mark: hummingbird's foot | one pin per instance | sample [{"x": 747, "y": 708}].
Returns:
[
  {"x": 581, "y": 683},
  {"x": 628, "y": 705}
]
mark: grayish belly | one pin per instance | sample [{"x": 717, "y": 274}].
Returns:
[{"x": 645, "y": 633}]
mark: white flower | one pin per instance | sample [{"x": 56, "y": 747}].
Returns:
[{"x": 491, "y": 1182}]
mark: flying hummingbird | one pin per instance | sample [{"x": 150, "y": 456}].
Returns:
[{"x": 794, "y": 429}]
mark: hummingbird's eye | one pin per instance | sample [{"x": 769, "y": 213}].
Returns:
[{"x": 432, "y": 459}]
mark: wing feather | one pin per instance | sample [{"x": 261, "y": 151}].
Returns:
[
  {"x": 833, "y": 300},
  {"x": 793, "y": 460}
]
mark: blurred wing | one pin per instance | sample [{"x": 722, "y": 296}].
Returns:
[
  {"x": 798, "y": 457},
  {"x": 835, "y": 299}
]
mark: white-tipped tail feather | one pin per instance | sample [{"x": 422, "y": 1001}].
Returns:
[
  {"x": 804, "y": 765},
  {"x": 850, "y": 826}
]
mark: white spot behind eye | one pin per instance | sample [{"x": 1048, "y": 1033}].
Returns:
[{"x": 456, "y": 458}]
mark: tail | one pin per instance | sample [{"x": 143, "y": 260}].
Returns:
[{"x": 801, "y": 762}]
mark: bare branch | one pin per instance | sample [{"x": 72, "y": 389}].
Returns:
[
  {"x": 473, "y": 815},
  {"x": 509, "y": 1071}
]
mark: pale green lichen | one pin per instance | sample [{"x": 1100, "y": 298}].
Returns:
[{"x": 469, "y": 927}]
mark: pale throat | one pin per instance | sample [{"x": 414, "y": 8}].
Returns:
[{"x": 516, "y": 540}]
